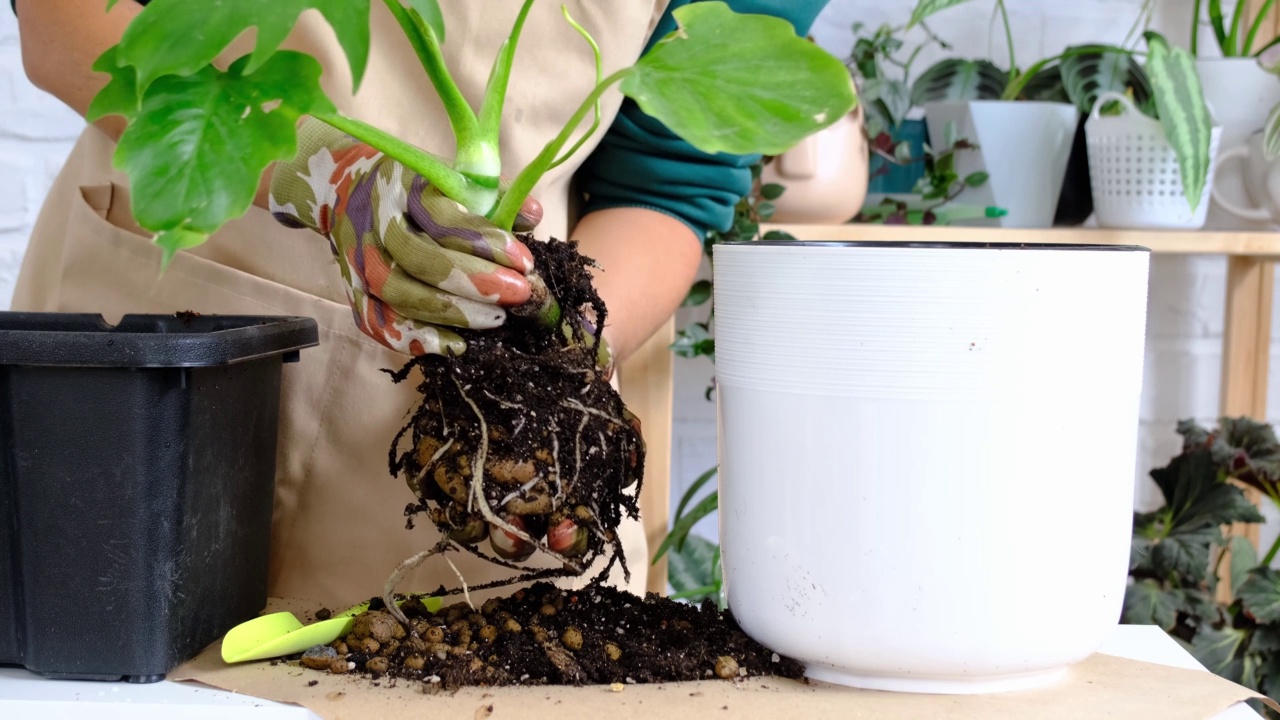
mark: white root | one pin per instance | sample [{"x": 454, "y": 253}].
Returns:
[
  {"x": 477, "y": 497},
  {"x": 555, "y": 457},
  {"x": 504, "y": 403},
  {"x": 389, "y": 588},
  {"x": 438, "y": 454},
  {"x": 466, "y": 593},
  {"x": 574, "y": 404},
  {"x": 577, "y": 449},
  {"x": 517, "y": 493}
]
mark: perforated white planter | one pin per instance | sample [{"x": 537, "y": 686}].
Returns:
[
  {"x": 918, "y": 443},
  {"x": 1134, "y": 171}
]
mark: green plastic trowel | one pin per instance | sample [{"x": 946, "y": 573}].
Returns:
[{"x": 281, "y": 633}]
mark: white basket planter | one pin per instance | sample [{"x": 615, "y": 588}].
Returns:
[
  {"x": 911, "y": 436},
  {"x": 1134, "y": 171}
]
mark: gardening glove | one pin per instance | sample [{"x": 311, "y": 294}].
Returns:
[{"x": 414, "y": 262}]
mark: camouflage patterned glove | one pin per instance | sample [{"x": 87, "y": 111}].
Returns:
[{"x": 415, "y": 263}]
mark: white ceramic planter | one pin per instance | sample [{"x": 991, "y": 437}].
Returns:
[
  {"x": 1024, "y": 147},
  {"x": 1240, "y": 94},
  {"x": 927, "y": 454},
  {"x": 825, "y": 176}
]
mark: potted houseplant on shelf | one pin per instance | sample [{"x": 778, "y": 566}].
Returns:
[
  {"x": 1013, "y": 115},
  {"x": 182, "y": 111},
  {"x": 897, "y": 141},
  {"x": 1240, "y": 91},
  {"x": 1152, "y": 158}
]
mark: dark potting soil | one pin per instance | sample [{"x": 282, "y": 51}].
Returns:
[
  {"x": 556, "y": 440},
  {"x": 542, "y": 635}
]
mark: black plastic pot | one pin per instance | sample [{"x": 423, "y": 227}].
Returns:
[
  {"x": 1075, "y": 203},
  {"x": 137, "y": 473}
]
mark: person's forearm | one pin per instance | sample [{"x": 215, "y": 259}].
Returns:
[
  {"x": 61, "y": 39},
  {"x": 647, "y": 262}
]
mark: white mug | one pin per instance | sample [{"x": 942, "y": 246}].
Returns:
[{"x": 1261, "y": 182}]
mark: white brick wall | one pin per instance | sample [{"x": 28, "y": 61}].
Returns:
[
  {"x": 36, "y": 133},
  {"x": 1184, "y": 357}
]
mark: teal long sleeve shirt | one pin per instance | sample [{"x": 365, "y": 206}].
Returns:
[{"x": 641, "y": 163}]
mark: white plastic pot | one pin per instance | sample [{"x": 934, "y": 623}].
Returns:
[
  {"x": 1241, "y": 95},
  {"x": 1023, "y": 146},
  {"x": 926, "y": 455},
  {"x": 1134, "y": 172}
]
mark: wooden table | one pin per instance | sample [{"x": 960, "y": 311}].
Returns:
[{"x": 1251, "y": 258}]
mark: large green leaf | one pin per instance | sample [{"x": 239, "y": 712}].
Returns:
[
  {"x": 429, "y": 11},
  {"x": 120, "y": 95},
  {"x": 1185, "y": 553},
  {"x": 1183, "y": 113},
  {"x": 1046, "y": 86},
  {"x": 739, "y": 83},
  {"x": 177, "y": 37},
  {"x": 1197, "y": 494},
  {"x": 1260, "y": 595},
  {"x": 1271, "y": 134},
  {"x": 680, "y": 528},
  {"x": 1247, "y": 450},
  {"x": 952, "y": 80},
  {"x": 1244, "y": 558},
  {"x": 198, "y": 148},
  {"x": 1146, "y": 603},
  {"x": 1265, "y": 640},
  {"x": 692, "y": 567},
  {"x": 1097, "y": 70},
  {"x": 925, "y": 8},
  {"x": 1217, "y": 650}
]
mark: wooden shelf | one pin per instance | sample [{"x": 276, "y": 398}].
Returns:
[{"x": 1260, "y": 245}]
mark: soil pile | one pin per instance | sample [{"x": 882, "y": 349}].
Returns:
[{"x": 542, "y": 635}]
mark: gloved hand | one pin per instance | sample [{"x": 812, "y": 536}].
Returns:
[{"x": 415, "y": 263}]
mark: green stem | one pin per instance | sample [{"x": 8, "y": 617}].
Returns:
[
  {"x": 1233, "y": 39},
  {"x": 427, "y": 46},
  {"x": 1195, "y": 29},
  {"x": 449, "y": 181},
  {"x": 1219, "y": 27},
  {"x": 495, "y": 93},
  {"x": 595, "y": 124},
  {"x": 1257, "y": 26},
  {"x": 505, "y": 214},
  {"x": 1271, "y": 554},
  {"x": 1008, "y": 35},
  {"x": 1143, "y": 17}
]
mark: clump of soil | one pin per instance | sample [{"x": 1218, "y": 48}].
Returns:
[
  {"x": 521, "y": 444},
  {"x": 542, "y": 635}
]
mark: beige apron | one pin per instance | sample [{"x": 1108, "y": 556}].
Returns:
[{"x": 339, "y": 527}]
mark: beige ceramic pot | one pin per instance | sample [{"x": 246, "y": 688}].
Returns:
[{"x": 825, "y": 175}]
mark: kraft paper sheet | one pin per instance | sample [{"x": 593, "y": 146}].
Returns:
[{"x": 1103, "y": 686}]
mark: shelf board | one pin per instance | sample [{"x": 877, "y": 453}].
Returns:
[{"x": 1181, "y": 242}]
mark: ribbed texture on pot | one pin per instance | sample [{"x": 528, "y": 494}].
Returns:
[{"x": 921, "y": 322}]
